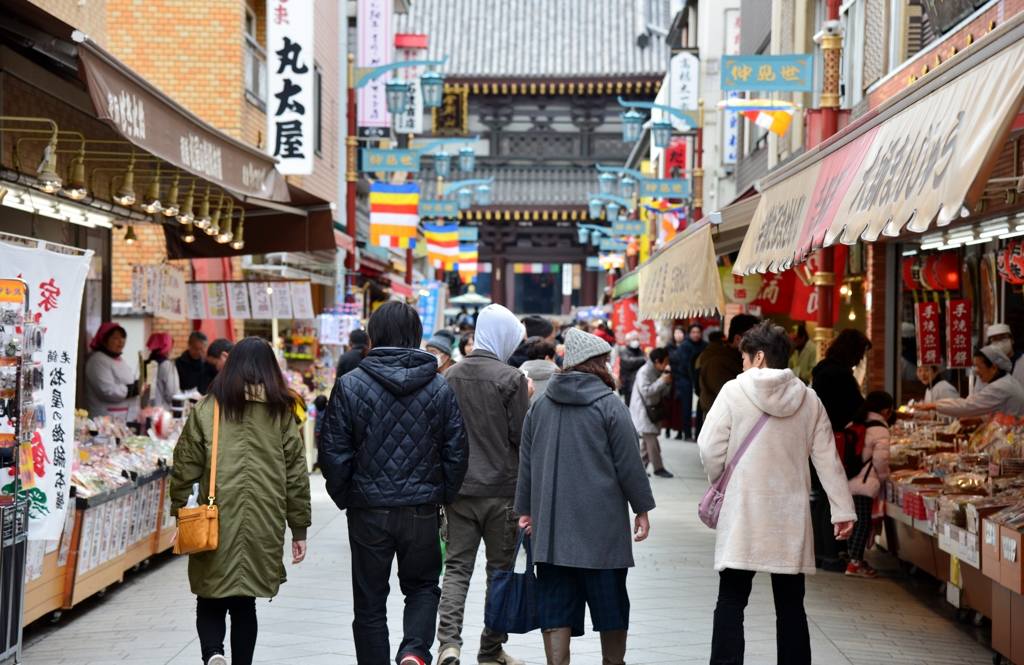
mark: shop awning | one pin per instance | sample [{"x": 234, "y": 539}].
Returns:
[
  {"x": 921, "y": 156},
  {"x": 154, "y": 122},
  {"x": 682, "y": 280}
]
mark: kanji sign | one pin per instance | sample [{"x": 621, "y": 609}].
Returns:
[
  {"x": 629, "y": 227},
  {"x": 410, "y": 121},
  {"x": 612, "y": 245},
  {"x": 290, "y": 74},
  {"x": 389, "y": 160},
  {"x": 625, "y": 320},
  {"x": 958, "y": 333},
  {"x": 438, "y": 208},
  {"x": 731, "y": 119},
  {"x": 684, "y": 86},
  {"x": 675, "y": 188},
  {"x": 375, "y": 47},
  {"x": 768, "y": 73},
  {"x": 926, "y": 319}
]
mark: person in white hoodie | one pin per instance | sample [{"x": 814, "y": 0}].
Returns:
[
  {"x": 865, "y": 485},
  {"x": 765, "y": 518}
]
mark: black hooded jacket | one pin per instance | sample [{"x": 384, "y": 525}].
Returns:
[{"x": 393, "y": 435}]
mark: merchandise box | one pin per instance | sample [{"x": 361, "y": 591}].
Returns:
[
  {"x": 1011, "y": 556},
  {"x": 990, "y": 550}
]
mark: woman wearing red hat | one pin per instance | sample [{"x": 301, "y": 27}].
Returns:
[
  {"x": 111, "y": 388},
  {"x": 167, "y": 386}
]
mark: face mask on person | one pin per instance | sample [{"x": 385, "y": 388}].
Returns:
[
  {"x": 635, "y": 344},
  {"x": 1006, "y": 346}
]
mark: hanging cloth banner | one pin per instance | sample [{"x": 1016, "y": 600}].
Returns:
[
  {"x": 469, "y": 257},
  {"x": 442, "y": 245},
  {"x": 56, "y": 283},
  {"x": 394, "y": 215},
  {"x": 926, "y": 320},
  {"x": 682, "y": 280},
  {"x": 958, "y": 334}
]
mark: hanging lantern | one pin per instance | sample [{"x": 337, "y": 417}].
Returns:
[
  {"x": 584, "y": 235},
  {"x": 946, "y": 271},
  {"x": 911, "y": 271},
  {"x": 627, "y": 187},
  {"x": 442, "y": 163},
  {"x": 397, "y": 93},
  {"x": 595, "y": 209},
  {"x": 632, "y": 123},
  {"x": 465, "y": 198},
  {"x": 483, "y": 195},
  {"x": 741, "y": 289},
  {"x": 467, "y": 159},
  {"x": 611, "y": 211},
  {"x": 605, "y": 182},
  {"x": 661, "y": 133},
  {"x": 595, "y": 238},
  {"x": 432, "y": 87}
]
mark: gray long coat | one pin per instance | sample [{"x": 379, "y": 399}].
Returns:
[{"x": 579, "y": 473}]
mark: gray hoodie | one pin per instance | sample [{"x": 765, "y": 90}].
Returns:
[{"x": 540, "y": 371}]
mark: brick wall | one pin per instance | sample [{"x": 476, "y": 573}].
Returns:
[
  {"x": 875, "y": 285},
  {"x": 89, "y": 17}
]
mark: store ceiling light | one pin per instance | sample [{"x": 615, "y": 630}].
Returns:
[
  {"x": 932, "y": 245},
  {"x": 76, "y": 189},
  {"x": 203, "y": 219},
  {"x": 170, "y": 208},
  {"x": 239, "y": 242},
  {"x": 188, "y": 234},
  {"x": 910, "y": 252},
  {"x": 125, "y": 194},
  {"x": 151, "y": 203},
  {"x": 129, "y": 235},
  {"x": 48, "y": 180},
  {"x": 979, "y": 241},
  {"x": 993, "y": 232},
  {"x": 225, "y": 236},
  {"x": 1013, "y": 234},
  {"x": 185, "y": 215}
]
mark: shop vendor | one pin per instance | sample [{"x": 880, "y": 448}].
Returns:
[
  {"x": 111, "y": 387},
  {"x": 996, "y": 391}
]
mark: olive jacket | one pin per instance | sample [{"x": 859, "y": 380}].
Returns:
[{"x": 262, "y": 482}]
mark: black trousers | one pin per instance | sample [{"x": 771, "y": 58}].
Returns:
[
  {"x": 210, "y": 615},
  {"x": 792, "y": 637},
  {"x": 377, "y": 536}
]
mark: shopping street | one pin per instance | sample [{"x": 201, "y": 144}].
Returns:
[{"x": 895, "y": 619}]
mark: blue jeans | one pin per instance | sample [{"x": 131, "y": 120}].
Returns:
[{"x": 376, "y": 536}]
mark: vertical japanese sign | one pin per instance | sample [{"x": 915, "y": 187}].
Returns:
[
  {"x": 731, "y": 119},
  {"x": 625, "y": 319},
  {"x": 374, "y": 23},
  {"x": 302, "y": 301},
  {"x": 410, "y": 121},
  {"x": 958, "y": 333},
  {"x": 684, "y": 82},
  {"x": 926, "y": 318},
  {"x": 290, "y": 76},
  {"x": 56, "y": 284},
  {"x": 171, "y": 303},
  {"x": 259, "y": 297},
  {"x": 427, "y": 306}
]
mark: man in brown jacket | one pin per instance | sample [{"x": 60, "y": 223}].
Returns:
[
  {"x": 721, "y": 363},
  {"x": 494, "y": 398}
]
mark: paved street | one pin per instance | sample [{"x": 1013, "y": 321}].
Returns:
[{"x": 893, "y": 620}]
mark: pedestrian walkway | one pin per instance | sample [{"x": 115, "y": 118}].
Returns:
[{"x": 895, "y": 620}]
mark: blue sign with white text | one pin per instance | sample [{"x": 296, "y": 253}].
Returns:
[{"x": 768, "y": 73}]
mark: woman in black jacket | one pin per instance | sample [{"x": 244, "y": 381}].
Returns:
[{"x": 683, "y": 359}]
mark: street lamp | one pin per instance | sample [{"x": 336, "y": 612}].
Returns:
[
  {"x": 595, "y": 239},
  {"x": 467, "y": 159},
  {"x": 595, "y": 209},
  {"x": 483, "y": 195},
  {"x": 442, "y": 164},
  {"x": 605, "y": 181},
  {"x": 397, "y": 93},
  {"x": 627, "y": 187},
  {"x": 632, "y": 123},
  {"x": 584, "y": 235},
  {"x": 432, "y": 87},
  {"x": 465, "y": 198},
  {"x": 612, "y": 210},
  {"x": 661, "y": 133}
]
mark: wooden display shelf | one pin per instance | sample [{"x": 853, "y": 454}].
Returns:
[{"x": 45, "y": 594}]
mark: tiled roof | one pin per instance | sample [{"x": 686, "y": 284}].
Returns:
[
  {"x": 540, "y": 38},
  {"x": 524, "y": 186}
]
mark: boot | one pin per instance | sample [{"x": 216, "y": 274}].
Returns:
[
  {"x": 613, "y": 647},
  {"x": 556, "y": 645}
]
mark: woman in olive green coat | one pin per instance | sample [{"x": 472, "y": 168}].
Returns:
[{"x": 262, "y": 482}]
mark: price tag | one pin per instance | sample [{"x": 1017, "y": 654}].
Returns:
[
  {"x": 990, "y": 534},
  {"x": 962, "y": 536},
  {"x": 1009, "y": 549},
  {"x": 945, "y": 534}
]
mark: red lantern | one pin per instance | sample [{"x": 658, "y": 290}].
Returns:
[
  {"x": 910, "y": 271},
  {"x": 928, "y": 273},
  {"x": 1003, "y": 264},
  {"x": 946, "y": 271}
]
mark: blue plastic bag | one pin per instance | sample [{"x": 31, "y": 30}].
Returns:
[{"x": 512, "y": 602}]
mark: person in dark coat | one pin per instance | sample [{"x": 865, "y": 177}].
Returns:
[
  {"x": 394, "y": 450},
  {"x": 193, "y": 370},
  {"x": 537, "y": 327},
  {"x": 580, "y": 473},
  {"x": 833, "y": 381},
  {"x": 721, "y": 363},
  {"x": 683, "y": 359},
  {"x": 631, "y": 359},
  {"x": 351, "y": 358}
]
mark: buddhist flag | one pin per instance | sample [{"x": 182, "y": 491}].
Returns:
[
  {"x": 770, "y": 114},
  {"x": 669, "y": 217},
  {"x": 394, "y": 215},
  {"x": 469, "y": 256},
  {"x": 442, "y": 245}
]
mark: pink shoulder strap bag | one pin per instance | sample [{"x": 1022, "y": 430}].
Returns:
[{"x": 711, "y": 505}]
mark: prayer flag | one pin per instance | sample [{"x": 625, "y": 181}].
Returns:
[{"x": 394, "y": 215}]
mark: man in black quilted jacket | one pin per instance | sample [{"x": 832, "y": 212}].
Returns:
[{"x": 394, "y": 450}]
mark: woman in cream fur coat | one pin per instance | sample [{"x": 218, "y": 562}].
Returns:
[{"x": 765, "y": 520}]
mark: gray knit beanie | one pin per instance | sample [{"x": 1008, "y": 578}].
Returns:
[{"x": 581, "y": 346}]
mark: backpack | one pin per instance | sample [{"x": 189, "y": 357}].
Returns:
[{"x": 850, "y": 445}]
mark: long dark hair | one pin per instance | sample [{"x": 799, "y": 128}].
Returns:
[
  {"x": 251, "y": 363},
  {"x": 598, "y": 366},
  {"x": 849, "y": 348},
  {"x": 876, "y": 402}
]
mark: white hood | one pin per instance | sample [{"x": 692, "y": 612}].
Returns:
[
  {"x": 498, "y": 331},
  {"x": 775, "y": 391}
]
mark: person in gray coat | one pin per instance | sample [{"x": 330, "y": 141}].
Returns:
[
  {"x": 652, "y": 384},
  {"x": 579, "y": 474}
]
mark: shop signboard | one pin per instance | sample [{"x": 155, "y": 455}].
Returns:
[
  {"x": 290, "y": 82},
  {"x": 56, "y": 283},
  {"x": 216, "y": 301},
  {"x": 958, "y": 333},
  {"x": 740, "y": 289},
  {"x": 468, "y": 234},
  {"x": 768, "y": 73},
  {"x": 776, "y": 294},
  {"x": 612, "y": 245},
  {"x": 427, "y": 306},
  {"x": 375, "y": 47},
  {"x": 731, "y": 119},
  {"x": 682, "y": 280},
  {"x": 389, "y": 161},
  {"x": 805, "y": 294},
  {"x": 410, "y": 121},
  {"x": 926, "y": 320},
  {"x": 625, "y": 319},
  {"x": 439, "y": 208},
  {"x": 629, "y": 227},
  {"x": 593, "y": 264},
  {"x": 665, "y": 188},
  {"x": 684, "y": 86}
]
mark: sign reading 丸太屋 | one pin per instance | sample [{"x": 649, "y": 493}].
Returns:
[
  {"x": 290, "y": 74},
  {"x": 768, "y": 73}
]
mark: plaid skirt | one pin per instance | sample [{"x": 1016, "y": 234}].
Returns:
[{"x": 563, "y": 594}]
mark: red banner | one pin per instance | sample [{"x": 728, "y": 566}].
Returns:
[
  {"x": 926, "y": 318},
  {"x": 805, "y": 296},
  {"x": 624, "y": 321},
  {"x": 958, "y": 333},
  {"x": 776, "y": 294}
]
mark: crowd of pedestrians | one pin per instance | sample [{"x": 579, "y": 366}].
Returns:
[{"x": 519, "y": 428}]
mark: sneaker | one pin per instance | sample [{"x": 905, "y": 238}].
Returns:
[
  {"x": 217, "y": 659},
  {"x": 662, "y": 473},
  {"x": 449, "y": 656},
  {"x": 410, "y": 659},
  {"x": 861, "y": 569},
  {"x": 502, "y": 659}
]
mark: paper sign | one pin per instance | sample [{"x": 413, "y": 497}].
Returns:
[
  {"x": 281, "y": 300},
  {"x": 302, "y": 301},
  {"x": 990, "y": 534},
  {"x": 138, "y": 288},
  {"x": 238, "y": 300},
  {"x": 926, "y": 316},
  {"x": 1009, "y": 549},
  {"x": 172, "y": 294},
  {"x": 260, "y": 301},
  {"x": 216, "y": 301},
  {"x": 196, "y": 301}
]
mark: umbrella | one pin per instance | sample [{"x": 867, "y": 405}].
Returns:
[{"x": 471, "y": 298}]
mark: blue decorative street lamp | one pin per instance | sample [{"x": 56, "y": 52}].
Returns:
[
  {"x": 397, "y": 93},
  {"x": 632, "y": 123},
  {"x": 432, "y": 87},
  {"x": 465, "y": 198},
  {"x": 661, "y": 133},
  {"x": 584, "y": 235},
  {"x": 595, "y": 209},
  {"x": 595, "y": 239},
  {"x": 442, "y": 163},
  {"x": 605, "y": 182},
  {"x": 483, "y": 195},
  {"x": 627, "y": 187},
  {"x": 612, "y": 211},
  {"x": 467, "y": 158}
]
